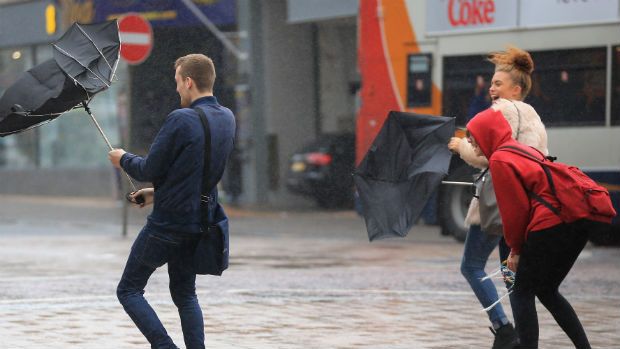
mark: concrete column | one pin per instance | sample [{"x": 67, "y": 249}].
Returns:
[
  {"x": 254, "y": 143},
  {"x": 282, "y": 98}
]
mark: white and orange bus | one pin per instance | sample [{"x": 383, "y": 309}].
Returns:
[{"x": 427, "y": 56}]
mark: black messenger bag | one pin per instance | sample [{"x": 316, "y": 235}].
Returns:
[{"x": 211, "y": 254}]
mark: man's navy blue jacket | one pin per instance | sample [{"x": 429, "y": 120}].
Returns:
[{"x": 174, "y": 164}]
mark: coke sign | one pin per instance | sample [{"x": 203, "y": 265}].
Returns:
[
  {"x": 455, "y": 16},
  {"x": 471, "y": 12}
]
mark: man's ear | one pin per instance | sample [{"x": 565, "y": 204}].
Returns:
[{"x": 189, "y": 82}]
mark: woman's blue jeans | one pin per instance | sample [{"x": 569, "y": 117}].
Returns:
[
  {"x": 478, "y": 248},
  {"x": 151, "y": 250}
]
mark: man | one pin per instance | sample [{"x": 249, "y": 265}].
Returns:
[{"x": 174, "y": 165}]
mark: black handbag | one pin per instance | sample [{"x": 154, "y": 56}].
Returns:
[{"x": 211, "y": 254}]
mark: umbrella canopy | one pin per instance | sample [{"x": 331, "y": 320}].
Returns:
[
  {"x": 85, "y": 59},
  {"x": 402, "y": 169},
  {"x": 40, "y": 94},
  {"x": 89, "y": 54}
]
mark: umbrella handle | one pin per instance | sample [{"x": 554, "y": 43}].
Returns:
[{"x": 133, "y": 185}]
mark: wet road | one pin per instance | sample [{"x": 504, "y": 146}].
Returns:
[{"x": 297, "y": 280}]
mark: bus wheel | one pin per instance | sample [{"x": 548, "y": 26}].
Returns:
[{"x": 454, "y": 200}]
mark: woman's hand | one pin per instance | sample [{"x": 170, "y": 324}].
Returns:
[
  {"x": 454, "y": 144},
  {"x": 513, "y": 262},
  {"x": 147, "y": 195}
]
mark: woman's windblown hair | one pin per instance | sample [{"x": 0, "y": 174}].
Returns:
[{"x": 518, "y": 63}]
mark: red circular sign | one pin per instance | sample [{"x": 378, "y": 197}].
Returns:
[{"x": 136, "y": 38}]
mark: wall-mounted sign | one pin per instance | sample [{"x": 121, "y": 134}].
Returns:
[
  {"x": 168, "y": 12},
  {"x": 453, "y": 16},
  {"x": 537, "y": 13},
  {"x": 462, "y": 16}
]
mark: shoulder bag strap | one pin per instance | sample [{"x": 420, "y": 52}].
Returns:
[
  {"x": 519, "y": 122},
  {"x": 207, "y": 157}
]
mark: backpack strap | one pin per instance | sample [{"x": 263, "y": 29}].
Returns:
[
  {"x": 514, "y": 149},
  {"x": 519, "y": 124},
  {"x": 543, "y": 165},
  {"x": 205, "y": 198}
]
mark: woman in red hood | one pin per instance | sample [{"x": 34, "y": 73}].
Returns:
[
  {"x": 510, "y": 84},
  {"x": 543, "y": 249}
]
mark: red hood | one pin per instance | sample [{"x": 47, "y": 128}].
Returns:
[{"x": 490, "y": 130}]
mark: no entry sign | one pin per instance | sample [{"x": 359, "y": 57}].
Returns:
[{"x": 136, "y": 38}]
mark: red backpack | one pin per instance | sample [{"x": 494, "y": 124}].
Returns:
[{"x": 579, "y": 196}]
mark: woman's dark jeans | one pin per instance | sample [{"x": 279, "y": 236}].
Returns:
[
  {"x": 152, "y": 249},
  {"x": 547, "y": 257}
]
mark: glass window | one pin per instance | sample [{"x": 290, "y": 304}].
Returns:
[
  {"x": 419, "y": 84},
  {"x": 18, "y": 151},
  {"x": 615, "y": 85},
  {"x": 73, "y": 141},
  {"x": 568, "y": 86},
  {"x": 466, "y": 86}
]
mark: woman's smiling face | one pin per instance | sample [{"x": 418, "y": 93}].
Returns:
[{"x": 502, "y": 86}]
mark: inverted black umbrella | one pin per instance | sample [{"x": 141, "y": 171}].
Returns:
[
  {"x": 85, "y": 59},
  {"x": 401, "y": 170},
  {"x": 84, "y": 63}
]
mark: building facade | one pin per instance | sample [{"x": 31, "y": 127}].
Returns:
[{"x": 67, "y": 156}]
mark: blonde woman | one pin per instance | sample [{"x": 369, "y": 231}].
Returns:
[{"x": 510, "y": 84}]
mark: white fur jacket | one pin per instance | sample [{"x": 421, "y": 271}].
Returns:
[{"x": 531, "y": 132}]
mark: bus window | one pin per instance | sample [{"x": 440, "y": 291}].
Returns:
[
  {"x": 419, "y": 84},
  {"x": 568, "y": 86},
  {"x": 615, "y": 85},
  {"x": 466, "y": 83}
]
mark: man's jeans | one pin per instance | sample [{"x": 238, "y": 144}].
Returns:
[
  {"x": 478, "y": 248},
  {"x": 151, "y": 250}
]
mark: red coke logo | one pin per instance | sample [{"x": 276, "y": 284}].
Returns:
[{"x": 471, "y": 12}]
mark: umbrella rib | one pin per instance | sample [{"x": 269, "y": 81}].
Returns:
[
  {"x": 39, "y": 124},
  {"x": 98, "y": 50},
  {"x": 87, "y": 68},
  {"x": 26, "y": 129},
  {"x": 77, "y": 106}
]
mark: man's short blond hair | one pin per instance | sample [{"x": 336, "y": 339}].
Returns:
[{"x": 199, "y": 68}]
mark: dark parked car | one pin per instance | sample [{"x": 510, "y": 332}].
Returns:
[{"x": 323, "y": 170}]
